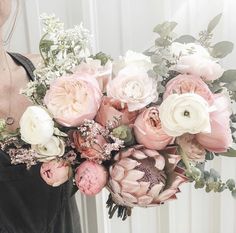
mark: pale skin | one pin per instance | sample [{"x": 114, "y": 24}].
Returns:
[{"x": 20, "y": 79}]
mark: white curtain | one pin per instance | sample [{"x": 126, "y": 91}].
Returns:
[{"x": 119, "y": 25}]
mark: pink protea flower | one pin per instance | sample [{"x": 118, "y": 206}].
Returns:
[
  {"x": 91, "y": 178},
  {"x": 191, "y": 147},
  {"x": 143, "y": 177}
]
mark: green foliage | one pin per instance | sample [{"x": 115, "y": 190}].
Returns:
[
  {"x": 214, "y": 22},
  {"x": 104, "y": 58},
  {"x": 222, "y": 49},
  {"x": 185, "y": 39},
  {"x": 165, "y": 28},
  {"x": 230, "y": 153}
]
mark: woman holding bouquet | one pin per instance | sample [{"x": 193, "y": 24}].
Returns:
[{"x": 27, "y": 203}]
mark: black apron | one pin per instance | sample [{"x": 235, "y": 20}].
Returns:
[{"x": 27, "y": 203}]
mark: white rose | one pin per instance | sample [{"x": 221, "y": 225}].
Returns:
[
  {"x": 55, "y": 147},
  {"x": 36, "y": 125},
  {"x": 132, "y": 58},
  {"x": 194, "y": 64},
  {"x": 185, "y": 113},
  {"x": 178, "y": 49},
  {"x": 133, "y": 87}
]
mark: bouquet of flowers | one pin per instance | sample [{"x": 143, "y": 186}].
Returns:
[{"x": 139, "y": 126}]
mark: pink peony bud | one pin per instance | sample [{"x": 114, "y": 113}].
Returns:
[
  {"x": 91, "y": 178},
  {"x": 55, "y": 172}
]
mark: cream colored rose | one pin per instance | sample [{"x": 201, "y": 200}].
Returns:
[
  {"x": 186, "y": 113},
  {"x": 132, "y": 58},
  {"x": 179, "y": 49},
  {"x": 55, "y": 147},
  {"x": 36, "y": 125},
  {"x": 133, "y": 86}
]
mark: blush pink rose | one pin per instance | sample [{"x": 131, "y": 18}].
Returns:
[
  {"x": 72, "y": 99},
  {"x": 89, "y": 150},
  {"x": 55, "y": 172},
  {"x": 91, "y": 178},
  {"x": 94, "y": 68},
  {"x": 191, "y": 147},
  {"x": 112, "y": 109},
  {"x": 148, "y": 130},
  {"x": 220, "y": 138},
  {"x": 185, "y": 83}
]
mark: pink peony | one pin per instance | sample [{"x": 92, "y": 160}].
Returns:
[
  {"x": 185, "y": 83},
  {"x": 55, "y": 172},
  {"x": 191, "y": 147},
  {"x": 148, "y": 130},
  {"x": 94, "y": 68},
  {"x": 91, "y": 177},
  {"x": 72, "y": 99},
  {"x": 112, "y": 109},
  {"x": 143, "y": 177},
  {"x": 220, "y": 139}
]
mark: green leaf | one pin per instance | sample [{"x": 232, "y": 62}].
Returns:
[
  {"x": 185, "y": 39},
  {"x": 222, "y": 49},
  {"x": 228, "y": 76},
  {"x": 161, "y": 42},
  {"x": 209, "y": 156},
  {"x": 230, "y": 153},
  {"x": 165, "y": 28},
  {"x": 214, "y": 22},
  {"x": 231, "y": 184},
  {"x": 234, "y": 193}
]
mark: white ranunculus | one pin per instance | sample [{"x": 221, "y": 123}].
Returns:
[
  {"x": 132, "y": 58},
  {"x": 206, "y": 68},
  {"x": 185, "y": 113},
  {"x": 36, "y": 125},
  {"x": 178, "y": 49},
  {"x": 133, "y": 86},
  {"x": 55, "y": 147}
]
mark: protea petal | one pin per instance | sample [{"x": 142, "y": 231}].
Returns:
[
  {"x": 117, "y": 173},
  {"x": 144, "y": 186},
  {"x": 128, "y": 163},
  {"x": 151, "y": 153},
  {"x": 130, "y": 186},
  {"x": 160, "y": 162},
  {"x": 129, "y": 198},
  {"x": 134, "y": 175},
  {"x": 139, "y": 154},
  {"x": 155, "y": 190},
  {"x": 127, "y": 153},
  {"x": 115, "y": 186},
  {"x": 145, "y": 200}
]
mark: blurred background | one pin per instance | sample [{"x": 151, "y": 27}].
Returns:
[{"x": 119, "y": 25}]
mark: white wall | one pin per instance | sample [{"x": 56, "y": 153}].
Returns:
[{"x": 119, "y": 25}]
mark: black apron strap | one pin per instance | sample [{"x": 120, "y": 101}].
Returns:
[{"x": 25, "y": 62}]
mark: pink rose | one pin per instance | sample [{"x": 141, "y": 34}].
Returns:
[
  {"x": 94, "y": 68},
  {"x": 91, "y": 178},
  {"x": 112, "y": 109},
  {"x": 55, "y": 172},
  {"x": 148, "y": 130},
  {"x": 185, "y": 83},
  {"x": 220, "y": 139},
  {"x": 88, "y": 149},
  {"x": 191, "y": 147},
  {"x": 72, "y": 99}
]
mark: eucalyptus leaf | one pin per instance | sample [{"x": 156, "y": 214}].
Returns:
[
  {"x": 231, "y": 184},
  {"x": 214, "y": 22},
  {"x": 165, "y": 28},
  {"x": 234, "y": 193},
  {"x": 161, "y": 42},
  {"x": 222, "y": 49},
  {"x": 230, "y": 153},
  {"x": 228, "y": 76},
  {"x": 185, "y": 39}
]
